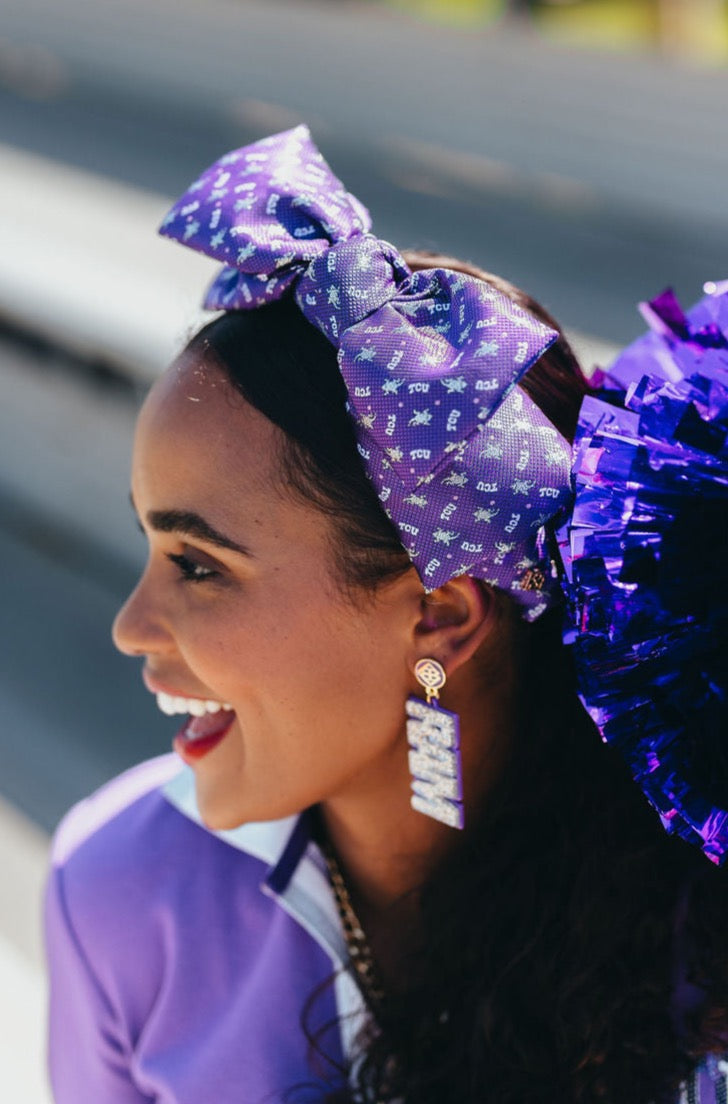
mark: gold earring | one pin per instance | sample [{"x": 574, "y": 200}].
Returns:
[
  {"x": 431, "y": 676},
  {"x": 435, "y": 763}
]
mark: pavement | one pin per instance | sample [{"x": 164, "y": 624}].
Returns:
[
  {"x": 72, "y": 711},
  {"x": 34, "y": 438},
  {"x": 23, "y": 859},
  {"x": 94, "y": 279}
]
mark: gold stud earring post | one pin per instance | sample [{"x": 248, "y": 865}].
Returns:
[{"x": 431, "y": 676}]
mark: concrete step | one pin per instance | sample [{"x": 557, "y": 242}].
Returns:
[
  {"x": 82, "y": 265},
  {"x": 23, "y": 860}
]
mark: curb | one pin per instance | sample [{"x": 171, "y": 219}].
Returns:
[
  {"x": 24, "y": 858},
  {"x": 81, "y": 266}
]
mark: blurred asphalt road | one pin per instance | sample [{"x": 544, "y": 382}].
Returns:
[
  {"x": 590, "y": 178},
  {"x": 23, "y": 851},
  {"x": 72, "y": 711}
]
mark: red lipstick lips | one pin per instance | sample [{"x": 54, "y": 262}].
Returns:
[{"x": 199, "y": 735}]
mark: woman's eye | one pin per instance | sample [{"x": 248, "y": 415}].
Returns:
[{"x": 190, "y": 571}]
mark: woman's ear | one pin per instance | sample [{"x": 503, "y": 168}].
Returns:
[{"x": 454, "y": 621}]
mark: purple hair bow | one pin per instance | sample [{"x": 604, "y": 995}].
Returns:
[{"x": 468, "y": 468}]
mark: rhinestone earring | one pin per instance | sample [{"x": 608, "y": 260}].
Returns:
[{"x": 433, "y": 735}]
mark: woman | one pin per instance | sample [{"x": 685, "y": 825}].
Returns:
[{"x": 353, "y": 890}]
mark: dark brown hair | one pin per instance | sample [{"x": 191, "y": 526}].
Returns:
[{"x": 556, "y": 937}]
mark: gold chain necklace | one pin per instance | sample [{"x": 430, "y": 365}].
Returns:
[{"x": 360, "y": 955}]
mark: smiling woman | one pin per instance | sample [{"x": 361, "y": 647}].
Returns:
[
  {"x": 256, "y": 618},
  {"x": 396, "y": 861}
]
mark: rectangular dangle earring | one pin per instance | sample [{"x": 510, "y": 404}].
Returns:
[{"x": 433, "y": 735}]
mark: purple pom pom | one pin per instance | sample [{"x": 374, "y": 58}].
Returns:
[{"x": 645, "y": 554}]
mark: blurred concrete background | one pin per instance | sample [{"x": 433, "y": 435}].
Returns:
[{"x": 578, "y": 148}]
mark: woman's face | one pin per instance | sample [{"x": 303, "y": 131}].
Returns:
[{"x": 239, "y": 604}]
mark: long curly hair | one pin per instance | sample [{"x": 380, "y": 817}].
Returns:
[{"x": 568, "y": 949}]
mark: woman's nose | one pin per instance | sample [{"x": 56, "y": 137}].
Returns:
[{"x": 139, "y": 627}]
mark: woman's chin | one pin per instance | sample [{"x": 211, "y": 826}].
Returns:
[
  {"x": 221, "y": 823},
  {"x": 217, "y": 814},
  {"x": 222, "y": 813}
]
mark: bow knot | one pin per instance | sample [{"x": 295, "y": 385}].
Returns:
[{"x": 349, "y": 282}]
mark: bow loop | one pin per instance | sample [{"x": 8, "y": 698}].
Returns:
[{"x": 265, "y": 211}]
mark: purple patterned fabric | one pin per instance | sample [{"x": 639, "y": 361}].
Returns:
[
  {"x": 465, "y": 464},
  {"x": 644, "y": 552}
]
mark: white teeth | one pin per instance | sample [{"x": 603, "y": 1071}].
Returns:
[
  {"x": 166, "y": 704},
  {"x": 197, "y": 707}
]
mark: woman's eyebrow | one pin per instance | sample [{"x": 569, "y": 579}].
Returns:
[{"x": 190, "y": 524}]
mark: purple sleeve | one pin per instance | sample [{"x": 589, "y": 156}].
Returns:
[
  {"x": 710, "y": 1082},
  {"x": 89, "y": 1056}
]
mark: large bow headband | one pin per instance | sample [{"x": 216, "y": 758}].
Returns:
[{"x": 466, "y": 465}]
